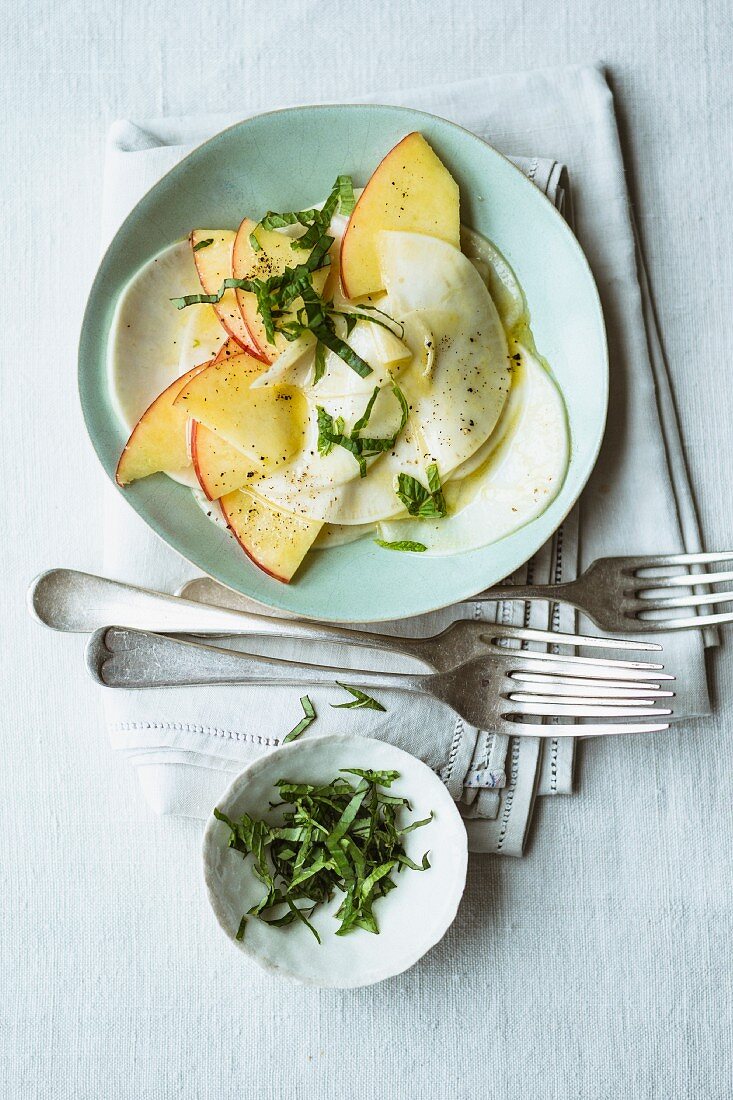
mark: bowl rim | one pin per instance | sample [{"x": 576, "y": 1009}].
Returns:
[
  {"x": 522, "y": 180},
  {"x": 208, "y": 845}
]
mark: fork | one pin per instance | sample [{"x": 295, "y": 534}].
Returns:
[
  {"x": 66, "y": 599},
  {"x": 511, "y": 691},
  {"x": 617, "y": 596},
  {"x": 612, "y": 592}
]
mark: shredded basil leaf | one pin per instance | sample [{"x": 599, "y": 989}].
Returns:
[
  {"x": 331, "y": 432},
  {"x": 403, "y": 404},
  {"x": 320, "y": 364},
  {"x": 203, "y": 244},
  {"x": 371, "y": 446},
  {"x": 403, "y": 544},
  {"x": 351, "y": 317},
  {"x": 326, "y": 431},
  {"x": 418, "y": 824},
  {"x": 347, "y": 202},
  {"x": 412, "y": 493},
  {"x": 309, "y": 715},
  {"x": 333, "y": 836},
  {"x": 316, "y": 222},
  {"x": 360, "y": 701},
  {"x": 383, "y": 778},
  {"x": 364, "y": 418},
  {"x": 436, "y": 489},
  {"x": 272, "y": 220},
  {"x": 326, "y": 333},
  {"x": 421, "y": 502}
]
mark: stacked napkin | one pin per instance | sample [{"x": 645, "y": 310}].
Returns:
[{"x": 187, "y": 742}]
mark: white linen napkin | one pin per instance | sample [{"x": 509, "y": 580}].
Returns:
[{"x": 187, "y": 742}]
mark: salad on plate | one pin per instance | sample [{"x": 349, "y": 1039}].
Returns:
[{"x": 364, "y": 368}]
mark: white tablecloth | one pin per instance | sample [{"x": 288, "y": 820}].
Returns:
[{"x": 600, "y": 965}]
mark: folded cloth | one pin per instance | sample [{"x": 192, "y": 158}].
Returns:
[{"x": 187, "y": 742}]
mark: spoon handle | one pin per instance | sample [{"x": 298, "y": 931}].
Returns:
[{"x": 68, "y": 600}]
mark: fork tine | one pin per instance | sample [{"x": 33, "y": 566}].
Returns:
[
  {"x": 565, "y": 706},
  {"x": 596, "y": 666},
  {"x": 531, "y": 634},
  {"x": 653, "y": 561},
  {"x": 693, "y": 600},
  {"x": 555, "y": 709},
  {"x": 578, "y": 729},
  {"x": 592, "y": 690},
  {"x": 685, "y": 624},
  {"x": 522, "y": 676},
  {"x": 682, "y": 580}
]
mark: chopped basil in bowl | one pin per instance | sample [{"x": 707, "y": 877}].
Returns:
[{"x": 374, "y": 831}]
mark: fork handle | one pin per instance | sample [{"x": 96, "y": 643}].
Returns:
[
  {"x": 565, "y": 592},
  {"x": 122, "y": 658}
]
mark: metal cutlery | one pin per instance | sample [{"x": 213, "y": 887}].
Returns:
[
  {"x": 68, "y": 600},
  {"x": 511, "y": 691},
  {"x": 619, "y": 595},
  {"x": 517, "y": 691},
  {"x": 616, "y": 594}
]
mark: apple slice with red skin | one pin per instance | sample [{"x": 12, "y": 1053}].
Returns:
[
  {"x": 213, "y": 265},
  {"x": 274, "y": 255},
  {"x": 219, "y": 467},
  {"x": 410, "y": 190},
  {"x": 158, "y": 442},
  {"x": 267, "y": 425},
  {"x": 274, "y": 540},
  {"x": 229, "y": 348}
]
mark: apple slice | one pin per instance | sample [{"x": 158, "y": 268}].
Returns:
[
  {"x": 158, "y": 442},
  {"x": 276, "y": 541},
  {"x": 214, "y": 265},
  {"x": 266, "y": 425},
  {"x": 274, "y": 255},
  {"x": 219, "y": 467},
  {"x": 412, "y": 190},
  {"x": 229, "y": 348}
]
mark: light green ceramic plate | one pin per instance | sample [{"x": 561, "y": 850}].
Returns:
[{"x": 288, "y": 160}]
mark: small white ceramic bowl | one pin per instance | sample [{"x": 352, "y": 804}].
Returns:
[{"x": 411, "y": 918}]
